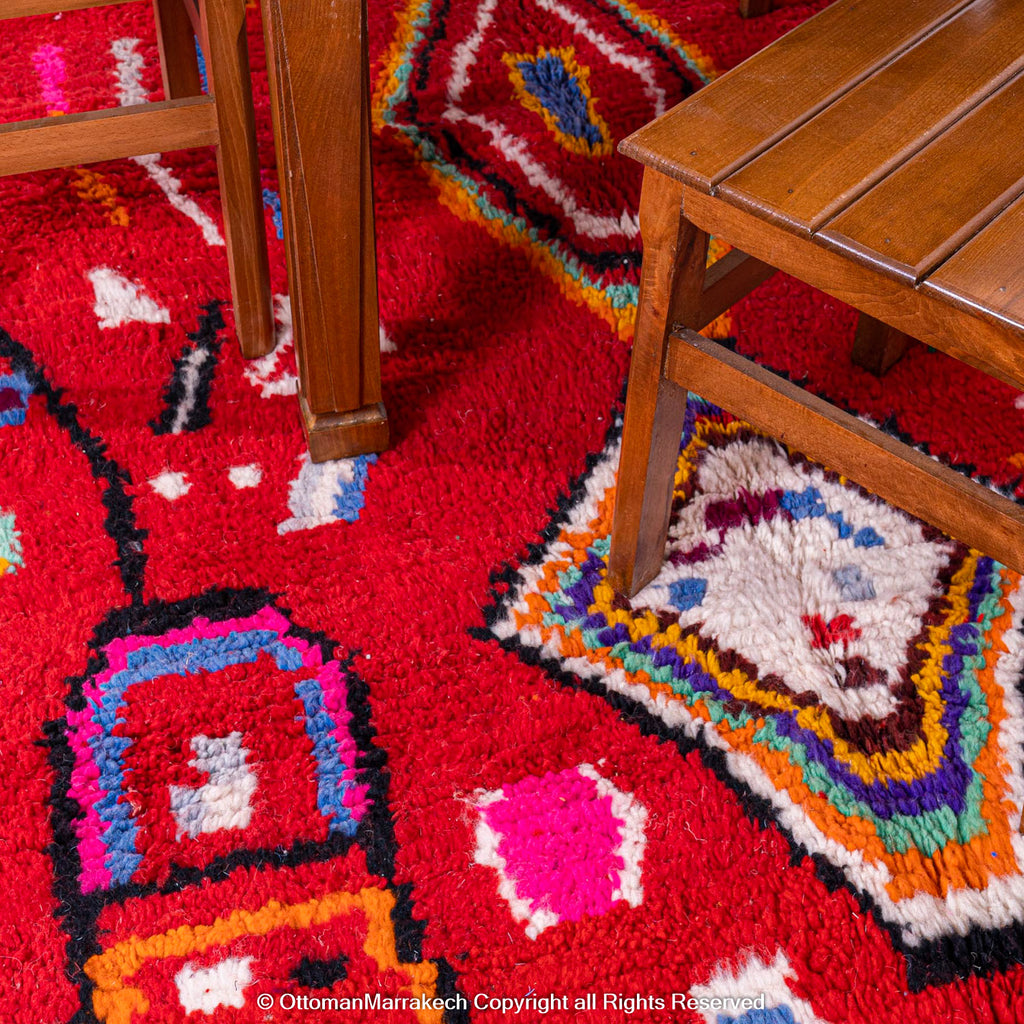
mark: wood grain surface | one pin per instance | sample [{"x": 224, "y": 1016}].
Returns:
[
  {"x": 320, "y": 101},
  {"x": 877, "y": 347},
  {"x": 223, "y": 31},
  {"x": 974, "y": 340},
  {"x": 986, "y": 276},
  {"x": 755, "y": 8},
  {"x": 873, "y": 153},
  {"x": 671, "y": 294},
  {"x": 823, "y": 165},
  {"x": 725, "y": 125},
  {"x": 28, "y": 8},
  {"x": 175, "y": 36},
  {"x": 107, "y": 134},
  {"x": 926, "y": 209}
]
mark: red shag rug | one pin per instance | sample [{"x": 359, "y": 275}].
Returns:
[{"x": 372, "y": 740}]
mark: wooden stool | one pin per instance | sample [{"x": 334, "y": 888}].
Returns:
[
  {"x": 882, "y": 167},
  {"x": 186, "y": 119}
]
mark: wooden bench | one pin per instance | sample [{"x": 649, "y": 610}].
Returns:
[{"x": 874, "y": 153}]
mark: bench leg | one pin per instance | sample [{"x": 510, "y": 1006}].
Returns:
[
  {"x": 877, "y": 346},
  {"x": 752, "y": 8},
  {"x": 227, "y": 70},
  {"x": 671, "y": 284}
]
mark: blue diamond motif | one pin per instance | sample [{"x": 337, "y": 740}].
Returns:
[
  {"x": 551, "y": 83},
  {"x": 688, "y": 593},
  {"x": 867, "y": 538}
]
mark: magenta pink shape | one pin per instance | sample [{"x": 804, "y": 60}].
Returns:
[{"x": 559, "y": 840}]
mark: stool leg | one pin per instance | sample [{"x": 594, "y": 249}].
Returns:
[
  {"x": 227, "y": 72},
  {"x": 327, "y": 200},
  {"x": 671, "y": 282},
  {"x": 176, "y": 39},
  {"x": 753, "y": 8},
  {"x": 877, "y": 346}
]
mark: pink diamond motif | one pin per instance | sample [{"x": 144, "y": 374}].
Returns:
[{"x": 566, "y": 845}]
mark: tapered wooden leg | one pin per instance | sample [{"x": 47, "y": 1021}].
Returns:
[
  {"x": 877, "y": 346},
  {"x": 320, "y": 98},
  {"x": 176, "y": 39},
  {"x": 227, "y": 72},
  {"x": 675, "y": 255},
  {"x": 752, "y": 8}
]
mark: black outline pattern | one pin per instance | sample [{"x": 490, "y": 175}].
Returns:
[
  {"x": 120, "y": 522},
  {"x": 321, "y": 973},
  {"x": 375, "y": 833},
  {"x": 206, "y": 338}
]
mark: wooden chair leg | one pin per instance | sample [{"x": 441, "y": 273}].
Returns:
[
  {"x": 176, "y": 39},
  {"x": 671, "y": 284},
  {"x": 877, "y": 346},
  {"x": 227, "y": 71},
  {"x": 327, "y": 201},
  {"x": 753, "y": 8}
]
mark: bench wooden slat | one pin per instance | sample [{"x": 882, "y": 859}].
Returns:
[
  {"x": 926, "y": 209},
  {"x": 740, "y": 115},
  {"x": 818, "y": 169},
  {"x": 986, "y": 276}
]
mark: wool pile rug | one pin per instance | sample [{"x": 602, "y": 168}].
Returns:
[{"x": 372, "y": 740}]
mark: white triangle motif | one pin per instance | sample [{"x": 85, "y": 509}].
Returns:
[{"x": 120, "y": 301}]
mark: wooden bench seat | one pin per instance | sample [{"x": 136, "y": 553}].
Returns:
[{"x": 873, "y": 153}]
